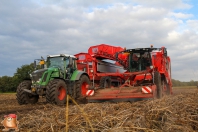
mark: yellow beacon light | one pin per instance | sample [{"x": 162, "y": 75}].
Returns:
[{"x": 42, "y": 62}]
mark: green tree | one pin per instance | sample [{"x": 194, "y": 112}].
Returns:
[
  {"x": 23, "y": 73},
  {"x": 6, "y": 84},
  {"x": 177, "y": 83},
  {"x": 9, "y": 84}
]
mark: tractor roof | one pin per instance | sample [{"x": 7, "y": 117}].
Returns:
[{"x": 66, "y": 55}]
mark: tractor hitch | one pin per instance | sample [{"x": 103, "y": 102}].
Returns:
[{"x": 29, "y": 91}]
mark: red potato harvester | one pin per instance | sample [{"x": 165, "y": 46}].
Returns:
[{"x": 138, "y": 73}]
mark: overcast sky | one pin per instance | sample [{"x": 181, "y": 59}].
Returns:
[{"x": 30, "y": 29}]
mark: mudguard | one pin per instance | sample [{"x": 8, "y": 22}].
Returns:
[{"x": 77, "y": 74}]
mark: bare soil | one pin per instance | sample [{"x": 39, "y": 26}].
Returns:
[{"x": 173, "y": 113}]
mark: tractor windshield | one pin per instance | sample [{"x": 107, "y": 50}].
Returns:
[
  {"x": 139, "y": 61},
  {"x": 58, "y": 62}
]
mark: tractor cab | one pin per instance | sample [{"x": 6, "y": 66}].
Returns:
[
  {"x": 139, "y": 59},
  {"x": 64, "y": 63}
]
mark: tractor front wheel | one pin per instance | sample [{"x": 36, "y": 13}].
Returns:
[
  {"x": 25, "y": 97},
  {"x": 56, "y": 92}
]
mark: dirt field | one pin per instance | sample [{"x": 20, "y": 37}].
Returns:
[{"x": 174, "y": 113}]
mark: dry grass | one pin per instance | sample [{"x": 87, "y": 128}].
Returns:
[{"x": 177, "y": 113}]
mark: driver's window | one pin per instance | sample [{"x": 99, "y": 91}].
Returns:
[
  {"x": 135, "y": 56},
  {"x": 135, "y": 62},
  {"x": 52, "y": 62}
]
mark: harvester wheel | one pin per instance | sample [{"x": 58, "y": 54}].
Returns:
[
  {"x": 81, "y": 86},
  {"x": 105, "y": 82},
  {"x": 56, "y": 92},
  {"x": 157, "y": 81},
  {"x": 25, "y": 97},
  {"x": 166, "y": 87}
]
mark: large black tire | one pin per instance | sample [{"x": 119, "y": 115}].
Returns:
[
  {"x": 56, "y": 92},
  {"x": 157, "y": 81},
  {"x": 166, "y": 87},
  {"x": 105, "y": 82},
  {"x": 25, "y": 97},
  {"x": 81, "y": 86}
]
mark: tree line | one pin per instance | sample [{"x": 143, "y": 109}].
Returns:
[
  {"x": 9, "y": 84},
  {"x": 177, "y": 83}
]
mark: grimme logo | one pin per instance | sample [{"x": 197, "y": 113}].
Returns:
[
  {"x": 95, "y": 50},
  {"x": 10, "y": 122}
]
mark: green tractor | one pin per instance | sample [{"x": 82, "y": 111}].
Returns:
[{"x": 54, "y": 79}]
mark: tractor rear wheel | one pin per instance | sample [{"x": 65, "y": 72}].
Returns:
[
  {"x": 81, "y": 86},
  {"x": 25, "y": 97},
  {"x": 157, "y": 81},
  {"x": 56, "y": 92},
  {"x": 105, "y": 82}
]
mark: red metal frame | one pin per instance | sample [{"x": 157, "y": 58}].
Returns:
[
  {"x": 162, "y": 64},
  {"x": 88, "y": 61},
  {"x": 122, "y": 93}
]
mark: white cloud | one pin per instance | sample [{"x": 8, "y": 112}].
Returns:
[
  {"x": 182, "y": 15},
  {"x": 169, "y": 4},
  {"x": 193, "y": 25}
]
